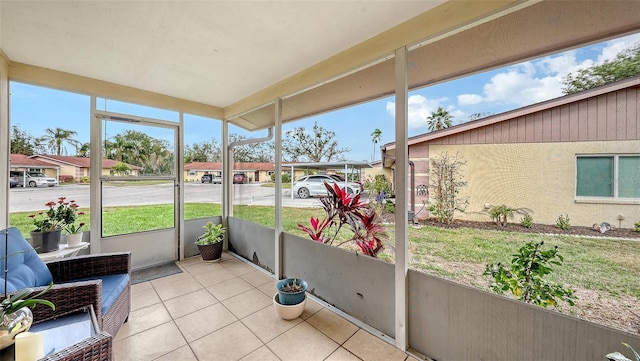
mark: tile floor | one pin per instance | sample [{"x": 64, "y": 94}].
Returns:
[{"x": 224, "y": 311}]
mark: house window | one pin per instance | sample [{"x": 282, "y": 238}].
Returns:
[{"x": 608, "y": 176}]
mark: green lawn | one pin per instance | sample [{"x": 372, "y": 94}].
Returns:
[{"x": 610, "y": 266}]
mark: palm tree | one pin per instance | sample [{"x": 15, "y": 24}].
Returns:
[
  {"x": 375, "y": 138},
  {"x": 55, "y": 139},
  {"x": 439, "y": 119}
]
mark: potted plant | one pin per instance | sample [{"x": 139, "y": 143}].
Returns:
[
  {"x": 74, "y": 233},
  {"x": 210, "y": 243},
  {"x": 15, "y": 315},
  {"x": 49, "y": 224},
  {"x": 290, "y": 300}
]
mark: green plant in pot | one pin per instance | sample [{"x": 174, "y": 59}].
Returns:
[
  {"x": 50, "y": 223},
  {"x": 210, "y": 243},
  {"x": 15, "y": 313},
  {"x": 290, "y": 300}
]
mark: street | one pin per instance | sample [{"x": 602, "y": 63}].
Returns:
[{"x": 32, "y": 199}]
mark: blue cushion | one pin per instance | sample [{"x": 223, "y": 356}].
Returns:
[
  {"x": 26, "y": 269},
  {"x": 112, "y": 287}
]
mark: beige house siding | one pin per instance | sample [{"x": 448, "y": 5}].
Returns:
[{"x": 541, "y": 177}]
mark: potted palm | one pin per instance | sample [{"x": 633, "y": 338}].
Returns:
[{"x": 210, "y": 243}]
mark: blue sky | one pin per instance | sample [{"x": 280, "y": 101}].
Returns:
[{"x": 36, "y": 108}]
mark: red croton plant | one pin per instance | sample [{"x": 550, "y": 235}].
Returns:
[{"x": 341, "y": 208}]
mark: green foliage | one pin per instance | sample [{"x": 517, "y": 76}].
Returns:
[
  {"x": 439, "y": 119},
  {"x": 85, "y": 180},
  {"x": 377, "y": 185},
  {"x": 21, "y": 141},
  {"x": 319, "y": 145},
  {"x": 59, "y": 215},
  {"x": 120, "y": 169},
  {"x": 213, "y": 233},
  {"x": 625, "y": 65},
  {"x": 390, "y": 207},
  {"x": 54, "y": 140},
  {"x": 286, "y": 178},
  {"x": 524, "y": 278},
  {"x": 446, "y": 180},
  {"x": 563, "y": 222},
  {"x": 375, "y": 138},
  {"x": 527, "y": 221},
  {"x": 23, "y": 298},
  {"x": 617, "y": 356},
  {"x": 636, "y": 227},
  {"x": 501, "y": 214}
]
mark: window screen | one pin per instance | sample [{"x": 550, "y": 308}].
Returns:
[
  {"x": 595, "y": 177},
  {"x": 629, "y": 177}
]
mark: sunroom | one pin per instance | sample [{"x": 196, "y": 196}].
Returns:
[{"x": 259, "y": 65}]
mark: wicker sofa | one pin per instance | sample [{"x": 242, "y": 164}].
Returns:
[{"x": 101, "y": 280}]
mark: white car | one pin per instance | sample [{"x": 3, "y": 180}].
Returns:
[
  {"x": 35, "y": 179},
  {"x": 313, "y": 185}
]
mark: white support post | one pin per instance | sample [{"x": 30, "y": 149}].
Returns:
[
  {"x": 227, "y": 177},
  {"x": 278, "y": 198},
  {"x": 179, "y": 199},
  {"x": 4, "y": 141},
  {"x": 401, "y": 216},
  {"x": 95, "y": 172}
]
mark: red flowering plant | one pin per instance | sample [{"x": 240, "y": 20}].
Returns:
[
  {"x": 342, "y": 209},
  {"x": 59, "y": 215}
]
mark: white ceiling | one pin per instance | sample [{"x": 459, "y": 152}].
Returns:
[
  {"x": 211, "y": 52},
  {"x": 232, "y": 59}
]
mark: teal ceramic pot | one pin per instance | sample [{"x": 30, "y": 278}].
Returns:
[{"x": 291, "y": 298}]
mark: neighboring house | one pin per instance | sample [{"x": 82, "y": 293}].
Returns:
[
  {"x": 578, "y": 155},
  {"x": 255, "y": 172},
  {"x": 78, "y": 167},
  {"x": 377, "y": 168},
  {"x": 21, "y": 162}
]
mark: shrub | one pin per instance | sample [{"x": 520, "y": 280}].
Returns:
[
  {"x": 563, "y": 222},
  {"x": 446, "y": 180},
  {"x": 524, "y": 278},
  {"x": 501, "y": 214},
  {"x": 636, "y": 227},
  {"x": 286, "y": 178},
  {"x": 85, "y": 180},
  {"x": 342, "y": 209},
  {"x": 527, "y": 221},
  {"x": 65, "y": 178},
  {"x": 390, "y": 207}
]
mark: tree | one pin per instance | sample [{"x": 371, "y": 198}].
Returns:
[
  {"x": 318, "y": 145},
  {"x": 203, "y": 152},
  {"x": 476, "y": 116},
  {"x": 83, "y": 150},
  {"x": 120, "y": 169},
  {"x": 446, "y": 180},
  {"x": 439, "y": 119},
  {"x": 55, "y": 139},
  {"x": 21, "y": 141},
  {"x": 375, "y": 138},
  {"x": 137, "y": 148},
  {"x": 625, "y": 65},
  {"x": 262, "y": 152}
]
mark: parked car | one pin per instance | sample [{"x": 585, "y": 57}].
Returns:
[
  {"x": 313, "y": 185},
  {"x": 210, "y": 178},
  {"x": 34, "y": 179},
  {"x": 13, "y": 181},
  {"x": 239, "y": 178}
]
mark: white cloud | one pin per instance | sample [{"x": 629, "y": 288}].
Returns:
[
  {"x": 614, "y": 47},
  {"x": 469, "y": 99},
  {"x": 420, "y": 108}
]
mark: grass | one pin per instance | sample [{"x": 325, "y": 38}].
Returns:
[
  {"x": 610, "y": 266},
  {"x": 273, "y": 185}
]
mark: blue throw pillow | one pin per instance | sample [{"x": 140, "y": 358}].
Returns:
[{"x": 26, "y": 269}]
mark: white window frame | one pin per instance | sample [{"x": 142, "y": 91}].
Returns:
[{"x": 615, "y": 198}]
